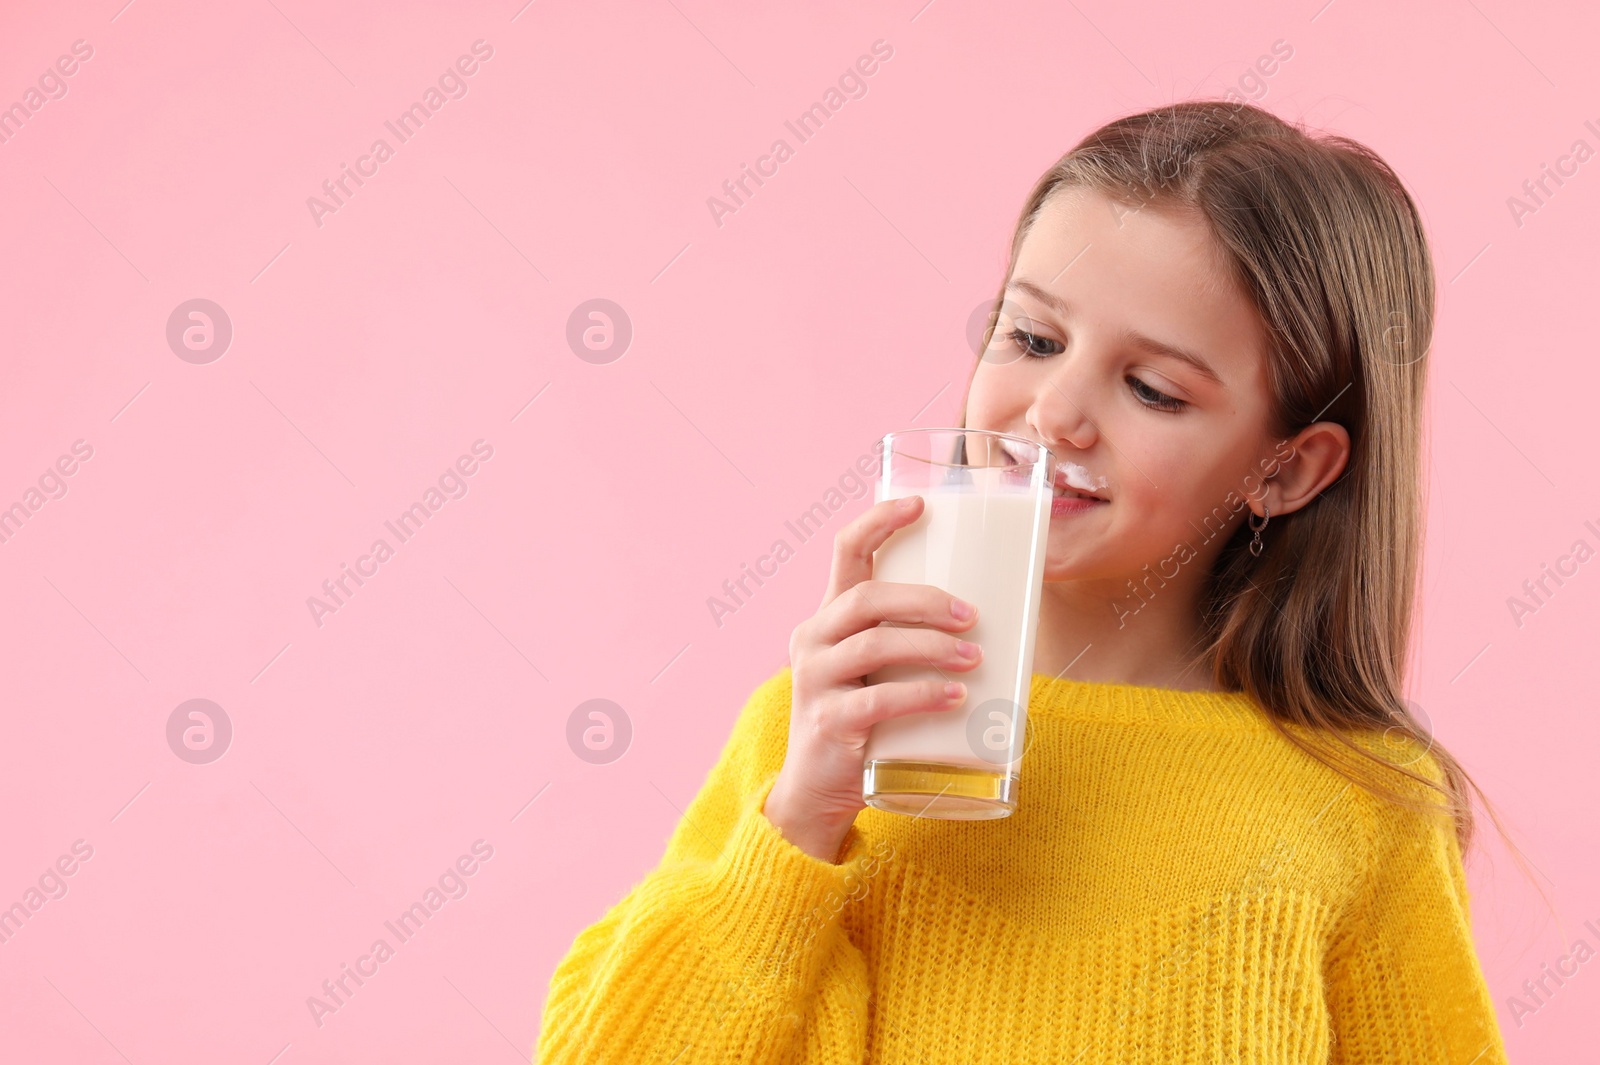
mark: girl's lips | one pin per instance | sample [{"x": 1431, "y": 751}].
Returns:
[{"x": 1062, "y": 506}]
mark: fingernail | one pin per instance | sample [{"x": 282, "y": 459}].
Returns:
[
  {"x": 962, "y": 610},
  {"x": 954, "y": 690},
  {"x": 966, "y": 649},
  {"x": 904, "y": 503}
]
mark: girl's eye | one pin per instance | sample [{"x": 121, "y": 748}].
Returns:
[
  {"x": 1025, "y": 340},
  {"x": 1153, "y": 399}
]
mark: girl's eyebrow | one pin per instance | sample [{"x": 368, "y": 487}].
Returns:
[{"x": 1138, "y": 340}]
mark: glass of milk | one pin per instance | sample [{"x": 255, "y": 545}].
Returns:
[{"x": 981, "y": 537}]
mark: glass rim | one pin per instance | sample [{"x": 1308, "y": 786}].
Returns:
[{"x": 1045, "y": 454}]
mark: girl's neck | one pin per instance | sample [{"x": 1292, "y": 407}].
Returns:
[{"x": 1097, "y": 631}]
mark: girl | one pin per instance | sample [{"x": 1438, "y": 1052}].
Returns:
[{"x": 1234, "y": 842}]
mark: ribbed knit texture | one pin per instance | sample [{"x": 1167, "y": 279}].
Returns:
[{"x": 1179, "y": 884}]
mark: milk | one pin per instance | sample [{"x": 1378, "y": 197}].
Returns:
[{"x": 983, "y": 542}]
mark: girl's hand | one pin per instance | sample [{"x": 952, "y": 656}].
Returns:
[{"x": 817, "y": 794}]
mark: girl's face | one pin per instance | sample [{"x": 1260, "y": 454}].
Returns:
[{"x": 1083, "y": 361}]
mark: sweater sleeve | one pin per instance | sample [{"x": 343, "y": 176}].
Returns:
[
  {"x": 1404, "y": 983},
  {"x": 731, "y": 949}
]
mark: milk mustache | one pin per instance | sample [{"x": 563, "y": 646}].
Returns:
[{"x": 983, "y": 542}]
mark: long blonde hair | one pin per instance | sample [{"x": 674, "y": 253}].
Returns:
[{"x": 1322, "y": 235}]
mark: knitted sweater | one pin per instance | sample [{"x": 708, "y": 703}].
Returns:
[{"x": 1178, "y": 884}]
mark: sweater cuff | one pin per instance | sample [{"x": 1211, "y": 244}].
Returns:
[{"x": 763, "y": 890}]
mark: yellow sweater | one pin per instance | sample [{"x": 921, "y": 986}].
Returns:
[{"x": 1178, "y": 884}]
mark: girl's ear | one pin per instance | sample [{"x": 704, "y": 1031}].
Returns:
[{"x": 1317, "y": 458}]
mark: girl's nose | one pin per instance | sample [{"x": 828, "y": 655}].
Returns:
[{"x": 1061, "y": 412}]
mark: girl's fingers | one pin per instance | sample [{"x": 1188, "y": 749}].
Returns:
[
  {"x": 861, "y": 709},
  {"x": 854, "y": 544},
  {"x": 870, "y": 602},
  {"x": 867, "y": 652}
]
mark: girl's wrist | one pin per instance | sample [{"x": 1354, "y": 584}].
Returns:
[{"x": 818, "y": 835}]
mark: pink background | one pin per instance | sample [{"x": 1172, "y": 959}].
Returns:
[{"x": 369, "y": 352}]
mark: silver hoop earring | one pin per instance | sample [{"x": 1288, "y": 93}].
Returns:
[{"x": 1255, "y": 544}]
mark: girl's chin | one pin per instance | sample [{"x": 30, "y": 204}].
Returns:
[
  {"x": 1080, "y": 561},
  {"x": 1068, "y": 569}
]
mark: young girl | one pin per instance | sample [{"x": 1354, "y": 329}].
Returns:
[{"x": 1233, "y": 841}]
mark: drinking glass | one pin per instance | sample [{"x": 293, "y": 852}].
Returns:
[{"x": 981, "y": 537}]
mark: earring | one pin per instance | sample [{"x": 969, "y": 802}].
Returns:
[{"x": 1255, "y": 544}]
